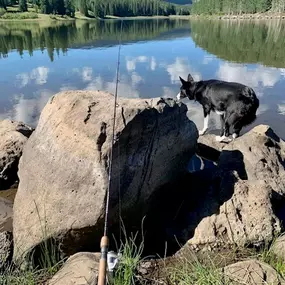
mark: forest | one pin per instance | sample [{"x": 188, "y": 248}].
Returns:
[
  {"x": 234, "y": 7},
  {"x": 100, "y": 8}
]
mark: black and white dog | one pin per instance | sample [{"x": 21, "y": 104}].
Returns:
[{"x": 235, "y": 103}]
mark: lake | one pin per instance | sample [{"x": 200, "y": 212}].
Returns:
[{"x": 38, "y": 60}]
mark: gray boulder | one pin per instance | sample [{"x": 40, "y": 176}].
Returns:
[
  {"x": 6, "y": 249},
  {"x": 13, "y": 136},
  {"x": 251, "y": 272},
  {"x": 64, "y": 168},
  {"x": 243, "y": 197},
  {"x": 79, "y": 269},
  {"x": 6, "y": 214}
]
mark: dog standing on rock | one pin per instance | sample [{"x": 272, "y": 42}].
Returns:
[{"x": 234, "y": 102}]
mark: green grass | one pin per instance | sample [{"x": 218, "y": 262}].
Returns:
[
  {"x": 19, "y": 16},
  {"x": 26, "y": 277},
  {"x": 188, "y": 272},
  {"x": 268, "y": 256},
  {"x": 130, "y": 254}
]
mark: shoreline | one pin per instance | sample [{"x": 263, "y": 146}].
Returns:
[
  {"x": 79, "y": 17},
  {"x": 256, "y": 16},
  {"x": 48, "y": 18}
]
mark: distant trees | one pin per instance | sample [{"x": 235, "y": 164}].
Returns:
[
  {"x": 3, "y": 4},
  {"x": 125, "y": 8},
  {"x": 83, "y": 7},
  {"x": 101, "y": 8},
  {"x": 23, "y": 5},
  {"x": 236, "y": 6}
]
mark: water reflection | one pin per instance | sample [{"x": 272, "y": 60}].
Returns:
[
  {"x": 58, "y": 37},
  {"x": 151, "y": 63},
  {"x": 243, "y": 41}
]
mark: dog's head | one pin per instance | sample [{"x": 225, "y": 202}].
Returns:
[{"x": 186, "y": 89}]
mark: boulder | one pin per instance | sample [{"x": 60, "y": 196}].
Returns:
[
  {"x": 243, "y": 200},
  {"x": 6, "y": 249},
  {"x": 64, "y": 168},
  {"x": 13, "y": 136},
  {"x": 278, "y": 248},
  {"x": 79, "y": 269},
  {"x": 6, "y": 214},
  {"x": 246, "y": 218},
  {"x": 257, "y": 155},
  {"x": 252, "y": 272}
]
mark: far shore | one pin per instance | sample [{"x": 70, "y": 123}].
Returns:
[
  {"x": 78, "y": 16},
  {"x": 256, "y": 16}
]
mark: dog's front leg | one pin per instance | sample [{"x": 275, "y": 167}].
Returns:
[
  {"x": 224, "y": 133},
  {"x": 206, "y": 122}
]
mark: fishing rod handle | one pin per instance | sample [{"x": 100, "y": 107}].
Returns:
[{"x": 103, "y": 261}]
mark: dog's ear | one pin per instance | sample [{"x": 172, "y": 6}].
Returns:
[
  {"x": 190, "y": 78},
  {"x": 182, "y": 80}
]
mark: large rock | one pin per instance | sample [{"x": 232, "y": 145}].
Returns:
[
  {"x": 257, "y": 155},
  {"x": 6, "y": 214},
  {"x": 243, "y": 200},
  {"x": 64, "y": 168},
  {"x": 252, "y": 272},
  {"x": 247, "y": 218},
  {"x": 13, "y": 136},
  {"x": 79, "y": 269}
]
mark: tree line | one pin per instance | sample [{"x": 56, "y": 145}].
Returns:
[
  {"x": 101, "y": 8},
  {"x": 236, "y": 6}
]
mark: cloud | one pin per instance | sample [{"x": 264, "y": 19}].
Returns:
[
  {"x": 39, "y": 75},
  {"x": 85, "y": 73},
  {"x": 207, "y": 59},
  {"x": 265, "y": 76},
  {"x": 281, "y": 108},
  {"x": 127, "y": 85},
  {"x": 152, "y": 63},
  {"x": 28, "y": 110},
  {"x": 136, "y": 79},
  {"x": 131, "y": 62},
  {"x": 181, "y": 68}
]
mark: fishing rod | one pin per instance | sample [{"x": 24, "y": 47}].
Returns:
[{"x": 104, "y": 244}]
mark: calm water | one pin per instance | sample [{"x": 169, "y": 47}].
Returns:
[{"x": 37, "y": 61}]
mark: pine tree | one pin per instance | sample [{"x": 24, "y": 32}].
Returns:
[
  {"x": 23, "y": 5},
  {"x": 69, "y": 8},
  {"x": 3, "y": 4},
  {"x": 83, "y": 7},
  {"x": 45, "y": 7}
]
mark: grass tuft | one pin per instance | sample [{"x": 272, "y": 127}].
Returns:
[
  {"x": 19, "y": 16},
  {"x": 268, "y": 256},
  {"x": 130, "y": 254},
  {"x": 187, "y": 272}
]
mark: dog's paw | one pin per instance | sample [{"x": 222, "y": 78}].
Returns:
[
  {"x": 202, "y": 132},
  {"x": 223, "y": 139}
]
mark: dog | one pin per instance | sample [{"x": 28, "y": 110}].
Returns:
[{"x": 236, "y": 104}]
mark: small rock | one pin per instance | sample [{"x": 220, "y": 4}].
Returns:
[
  {"x": 6, "y": 249},
  {"x": 6, "y": 215},
  {"x": 252, "y": 272},
  {"x": 278, "y": 248},
  {"x": 79, "y": 269},
  {"x": 13, "y": 136}
]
